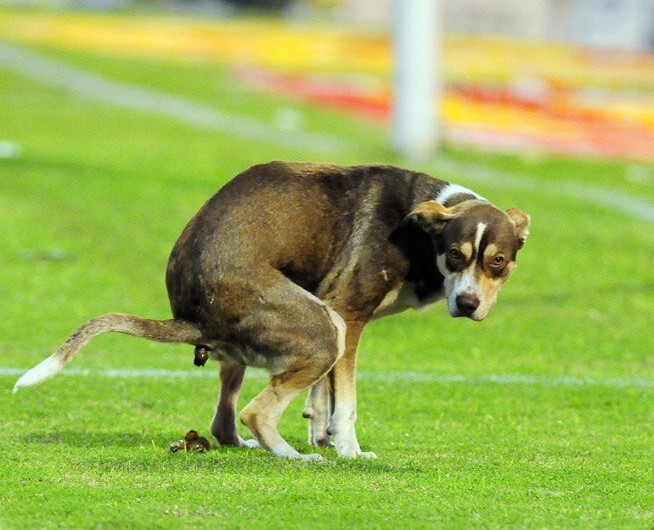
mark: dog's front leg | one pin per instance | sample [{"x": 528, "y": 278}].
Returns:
[
  {"x": 345, "y": 398},
  {"x": 318, "y": 411}
]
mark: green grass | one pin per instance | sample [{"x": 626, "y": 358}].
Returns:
[{"x": 112, "y": 189}]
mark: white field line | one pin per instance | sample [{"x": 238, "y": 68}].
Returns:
[
  {"x": 93, "y": 87},
  {"x": 611, "y": 199},
  {"x": 390, "y": 377}
]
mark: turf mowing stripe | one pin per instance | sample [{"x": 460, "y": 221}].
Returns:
[
  {"x": 189, "y": 112},
  {"x": 607, "y": 198},
  {"x": 389, "y": 377}
]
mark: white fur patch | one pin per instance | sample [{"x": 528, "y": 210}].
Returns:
[
  {"x": 455, "y": 189},
  {"x": 465, "y": 281},
  {"x": 481, "y": 228},
  {"x": 337, "y": 320},
  {"x": 341, "y": 329},
  {"x": 42, "y": 371}
]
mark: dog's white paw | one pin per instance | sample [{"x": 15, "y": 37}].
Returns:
[
  {"x": 312, "y": 457},
  {"x": 357, "y": 454},
  {"x": 250, "y": 444},
  {"x": 349, "y": 448}
]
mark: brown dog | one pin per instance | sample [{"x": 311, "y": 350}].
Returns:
[{"x": 285, "y": 265}]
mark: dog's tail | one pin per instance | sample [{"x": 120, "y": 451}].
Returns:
[{"x": 178, "y": 331}]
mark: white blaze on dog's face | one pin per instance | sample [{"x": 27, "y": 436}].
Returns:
[{"x": 476, "y": 246}]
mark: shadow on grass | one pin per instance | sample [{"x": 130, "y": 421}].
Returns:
[{"x": 238, "y": 456}]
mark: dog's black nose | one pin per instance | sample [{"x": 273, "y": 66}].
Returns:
[{"x": 467, "y": 303}]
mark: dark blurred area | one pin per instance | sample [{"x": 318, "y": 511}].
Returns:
[{"x": 273, "y": 5}]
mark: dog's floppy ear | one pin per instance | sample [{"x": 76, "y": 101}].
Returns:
[
  {"x": 431, "y": 216},
  {"x": 521, "y": 220}
]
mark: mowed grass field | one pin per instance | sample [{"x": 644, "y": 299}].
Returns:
[{"x": 540, "y": 417}]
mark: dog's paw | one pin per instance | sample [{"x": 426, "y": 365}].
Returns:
[
  {"x": 357, "y": 454},
  {"x": 292, "y": 454},
  {"x": 312, "y": 457},
  {"x": 249, "y": 444},
  {"x": 353, "y": 450}
]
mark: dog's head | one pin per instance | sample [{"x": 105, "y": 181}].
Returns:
[{"x": 476, "y": 246}]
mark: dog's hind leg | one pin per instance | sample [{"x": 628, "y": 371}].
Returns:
[
  {"x": 318, "y": 411},
  {"x": 277, "y": 325},
  {"x": 305, "y": 338},
  {"x": 223, "y": 426},
  {"x": 262, "y": 415}
]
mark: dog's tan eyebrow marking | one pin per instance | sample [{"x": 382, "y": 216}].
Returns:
[
  {"x": 466, "y": 250},
  {"x": 491, "y": 250}
]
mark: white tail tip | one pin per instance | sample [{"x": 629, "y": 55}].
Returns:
[{"x": 42, "y": 371}]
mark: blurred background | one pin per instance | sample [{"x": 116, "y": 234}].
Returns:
[
  {"x": 605, "y": 23},
  {"x": 539, "y": 76}
]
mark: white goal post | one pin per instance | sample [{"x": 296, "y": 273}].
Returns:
[{"x": 417, "y": 85}]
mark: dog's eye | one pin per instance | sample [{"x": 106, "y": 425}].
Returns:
[
  {"x": 498, "y": 261},
  {"x": 456, "y": 255}
]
